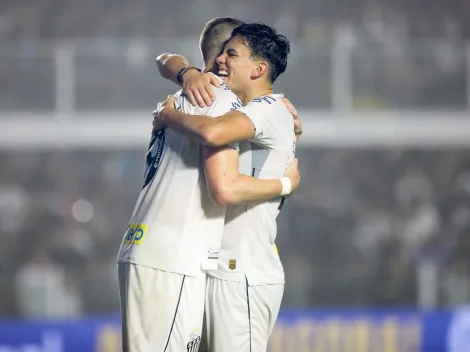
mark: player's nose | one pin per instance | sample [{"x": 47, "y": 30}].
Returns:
[{"x": 221, "y": 58}]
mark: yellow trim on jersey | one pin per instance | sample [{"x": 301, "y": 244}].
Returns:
[
  {"x": 275, "y": 250},
  {"x": 135, "y": 233}
]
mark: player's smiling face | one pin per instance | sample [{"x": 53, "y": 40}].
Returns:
[{"x": 235, "y": 65}]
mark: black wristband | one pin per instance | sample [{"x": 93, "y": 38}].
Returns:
[{"x": 185, "y": 69}]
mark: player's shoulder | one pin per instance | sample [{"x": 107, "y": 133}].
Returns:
[
  {"x": 271, "y": 104},
  {"x": 267, "y": 101},
  {"x": 182, "y": 103},
  {"x": 225, "y": 100},
  {"x": 224, "y": 93},
  {"x": 180, "y": 99}
]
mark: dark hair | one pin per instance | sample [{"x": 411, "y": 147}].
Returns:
[
  {"x": 214, "y": 35},
  {"x": 265, "y": 43}
]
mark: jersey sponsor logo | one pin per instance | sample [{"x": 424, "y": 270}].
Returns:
[
  {"x": 135, "y": 234},
  {"x": 193, "y": 344},
  {"x": 154, "y": 155},
  {"x": 232, "y": 264}
]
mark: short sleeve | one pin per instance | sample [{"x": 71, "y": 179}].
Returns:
[{"x": 261, "y": 112}]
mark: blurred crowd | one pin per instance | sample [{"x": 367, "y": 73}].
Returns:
[
  {"x": 359, "y": 232},
  {"x": 62, "y": 216},
  {"x": 368, "y": 225},
  {"x": 404, "y": 54},
  {"x": 307, "y": 18}
]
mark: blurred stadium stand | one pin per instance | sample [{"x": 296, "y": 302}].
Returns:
[
  {"x": 356, "y": 54},
  {"x": 354, "y": 236},
  {"x": 379, "y": 224}
]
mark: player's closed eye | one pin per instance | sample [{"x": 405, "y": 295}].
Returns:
[{"x": 231, "y": 53}]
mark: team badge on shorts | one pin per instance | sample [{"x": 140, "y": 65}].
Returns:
[
  {"x": 232, "y": 264},
  {"x": 193, "y": 344}
]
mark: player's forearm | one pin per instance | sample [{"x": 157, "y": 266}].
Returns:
[
  {"x": 169, "y": 65},
  {"x": 215, "y": 132},
  {"x": 199, "y": 128},
  {"x": 246, "y": 189}
]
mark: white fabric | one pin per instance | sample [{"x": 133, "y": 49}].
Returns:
[
  {"x": 175, "y": 225},
  {"x": 286, "y": 186},
  {"x": 160, "y": 311},
  {"x": 248, "y": 245},
  {"x": 238, "y": 317}
]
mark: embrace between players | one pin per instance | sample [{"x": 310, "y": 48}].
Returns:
[{"x": 198, "y": 267}]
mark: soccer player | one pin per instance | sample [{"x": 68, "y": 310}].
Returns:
[
  {"x": 175, "y": 230},
  {"x": 244, "y": 294}
]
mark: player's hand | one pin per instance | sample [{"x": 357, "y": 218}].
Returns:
[
  {"x": 162, "y": 109},
  {"x": 198, "y": 87},
  {"x": 293, "y": 174},
  {"x": 297, "y": 122}
]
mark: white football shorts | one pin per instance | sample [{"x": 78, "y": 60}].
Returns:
[
  {"x": 160, "y": 311},
  {"x": 239, "y": 317}
]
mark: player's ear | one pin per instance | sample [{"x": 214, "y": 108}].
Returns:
[{"x": 261, "y": 68}]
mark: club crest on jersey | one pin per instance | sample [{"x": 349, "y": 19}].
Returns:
[
  {"x": 193, "y": 344},
  {"x": 135, "y": 234},
  {"x": 232, "y": 264}
]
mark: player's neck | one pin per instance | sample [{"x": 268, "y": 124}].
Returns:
[{"x": 254, "y": 92}]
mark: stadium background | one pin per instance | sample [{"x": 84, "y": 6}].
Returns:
[{"x": 376, "y": 243}]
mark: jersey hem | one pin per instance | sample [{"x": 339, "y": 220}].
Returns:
[
  {"x": 240, "y": 277},
  {"x": 161, "y": 268}
]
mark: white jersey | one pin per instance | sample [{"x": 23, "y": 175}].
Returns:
[
  {"x": 176, "y": 226},
  {"x": 248, "y": 246}
]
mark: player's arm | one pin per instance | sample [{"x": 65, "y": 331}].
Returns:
[
  {"x": 196, "y": 85},
  {"x": 227, "y": 186},
  {"x": 298, "y": 130},
  {"x": 231, "y": 127},
  {"x": 169, "y": 65}
]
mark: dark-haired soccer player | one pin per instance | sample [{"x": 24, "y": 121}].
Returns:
[{"x": 244, "y": 294}]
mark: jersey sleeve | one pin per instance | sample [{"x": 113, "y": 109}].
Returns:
[
  {"x": 261, "y": 112},
  {"x": 223, "y": 104}
]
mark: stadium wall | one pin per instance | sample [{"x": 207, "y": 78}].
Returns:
[{"x": 117, "y": 130}]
